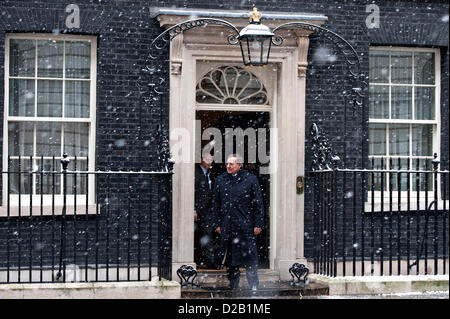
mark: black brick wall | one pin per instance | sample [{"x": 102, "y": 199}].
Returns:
[{"x": 125, "y": 31}]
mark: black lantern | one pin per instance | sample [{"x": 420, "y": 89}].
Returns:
[{"x": 255, "y": 40}]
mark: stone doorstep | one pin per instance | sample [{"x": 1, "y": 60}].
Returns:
[
  {"x": 214, "y": 283},
  {"x": 93, "y": 290},
  {"x": 219, "y": 277},
  {"x": 375, "y": 285},
  {"x": 279, "y": 289}
]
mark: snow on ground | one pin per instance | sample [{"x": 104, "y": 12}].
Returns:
[{"x": 391, "y": 278}]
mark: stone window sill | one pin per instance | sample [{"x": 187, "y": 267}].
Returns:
[{"x": 49, "y": 210}]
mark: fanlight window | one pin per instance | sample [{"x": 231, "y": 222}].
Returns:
[{"x": 231, "y": 85}]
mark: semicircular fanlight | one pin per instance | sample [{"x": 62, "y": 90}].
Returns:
[{"x": 231, "y": 85}]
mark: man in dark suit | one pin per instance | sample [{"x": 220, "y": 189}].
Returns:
[
  {"x": 204, "y": 232},
  {"x": 238, "y": 215}
]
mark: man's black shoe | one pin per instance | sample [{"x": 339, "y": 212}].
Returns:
[{"x": 233, "y": 286}]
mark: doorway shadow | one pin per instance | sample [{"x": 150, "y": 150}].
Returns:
[{"x": 223, "y": 120}]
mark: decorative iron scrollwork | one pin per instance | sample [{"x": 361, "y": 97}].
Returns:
[
  {"x": 162, "y": 40},
  {"x": 165, "y": 159},
  {"x": 277, "y": 40},
  {"x": 299, "y": 273},
  {"x": 357, "y": 79},
  {"x": 321, "y": 151},
  {"x": 185, "y": 272},
  {"x": 232, "y": 39},
  {"x": 152, "y": 81}
]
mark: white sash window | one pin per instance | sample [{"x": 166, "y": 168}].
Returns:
[
  {"x": 404, "y": 114},
  {"x": 49, "y": 110}
]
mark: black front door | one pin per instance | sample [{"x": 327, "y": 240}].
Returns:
[{"x": 224, "y": 120}]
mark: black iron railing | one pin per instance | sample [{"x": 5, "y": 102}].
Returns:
[
  {"x": 380, "y": 221},
  {"x": 64, "y": 224}
]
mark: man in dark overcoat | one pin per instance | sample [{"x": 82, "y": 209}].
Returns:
[
  {"x": 204, "y": 231},
  {"x": 238, "y": 215}
]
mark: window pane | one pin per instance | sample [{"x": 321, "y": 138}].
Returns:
[
  {"x": 20, "y": 138},
  {"x": 231, "y": 75},
  {"x": 425, "y": 180},
  {"x": 377, "y": 139},
  {"x": 246, "y": 94},
  {"x": 48, "y": 139},
  {"x": 243, "y": 79},
  {"x": 424, "y": 68},
  {"x": 379, "y": 66},
  {"x": 77, "y": 99},
  {"x": 21, "y": 97},
  {"x": 379, "y": 102},
  {"x": 403, "y": 165},
  {"x": 202, "y": 97},
  {"x": 76, "y": 183},
  {"x": 399, "y": 139},
  {"x": 422, "y": 139},
  {"x": 50, "y": 58},
  {"x": 375, "y": 164},
  {"x": 49, "y": 99},
  {"x": 209, "y": 94},
  {"x": 51, "y": 183},
  {"x": 76, "y": 139},
  {"x": 19, "y": 182},
  {"x": 401, "y": 67},
  {"x": 401, "y": 102},
  {"x": 21, "y": 57},
  {"x": 78, "y": 59},
  {"x": 424, "y": 103},
  {"x": 259, "y": 98}
]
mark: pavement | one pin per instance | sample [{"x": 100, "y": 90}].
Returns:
[
  {"x": 213, "y": 285},
  {"x": 413, "y": 295}
]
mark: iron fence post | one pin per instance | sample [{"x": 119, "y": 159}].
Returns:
[
  {"x": 316, "y": 221},
  {"x": 435, "y": 162},
  {"x": 335, "y": 160},
  {"x": 62, "y": 265}
]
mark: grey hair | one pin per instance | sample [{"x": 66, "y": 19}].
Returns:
[{"x": 239, "y": 159}]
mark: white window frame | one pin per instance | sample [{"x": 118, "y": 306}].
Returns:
[
  {"x": 436, "y": 137},
  {"x": 49, "y": 204}
]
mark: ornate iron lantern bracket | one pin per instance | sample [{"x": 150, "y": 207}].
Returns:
[
  {"x": 152, "y": 92},
  {"x": 151, "y": 81},
  {"x": 162, "y": 40},
  {"x": 356, "y": 77},
  {"x": 356, "y": 84}
]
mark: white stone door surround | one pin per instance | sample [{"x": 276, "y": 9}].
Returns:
[{"x": 288, "y": 117}]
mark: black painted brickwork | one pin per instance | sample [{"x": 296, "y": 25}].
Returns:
[{"x": 124, "y": 32}]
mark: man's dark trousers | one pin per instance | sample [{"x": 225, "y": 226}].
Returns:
[{"x": 234, "y": 274}]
